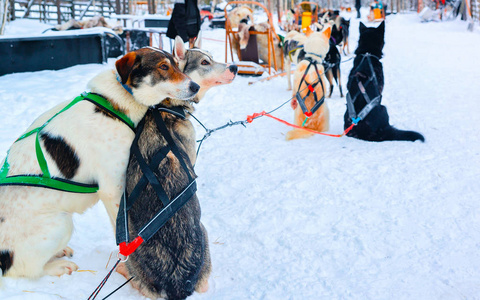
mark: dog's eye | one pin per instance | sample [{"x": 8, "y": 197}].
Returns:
[
  {"x": 205, "y": 62},
  {"x": 164, "y": 67}
]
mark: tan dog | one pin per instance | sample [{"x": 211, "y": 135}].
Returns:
[
  {"x": 239, "y": 15},
  {"x": 316, "y": 47}
]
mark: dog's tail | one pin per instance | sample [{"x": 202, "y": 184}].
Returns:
[
  {"x": 403, "y": 135},
  {"x": 6, "y": 261}
]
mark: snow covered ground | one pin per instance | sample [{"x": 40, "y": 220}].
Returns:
[{"x": 321, "y": 218}]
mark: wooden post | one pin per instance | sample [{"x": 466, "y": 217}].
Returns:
[
  {"x": 118, "y": 7},
  {"x": 59, "y": 12},
  {"x": 279, "y": 10},
  {"x": 73, "y": 9},
  {"x": 12, "y": 9},
  {"x": 214, "y": 4}
]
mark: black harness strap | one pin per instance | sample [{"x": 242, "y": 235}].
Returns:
[
  {"x": 371, "y": 103},
  {"x": 311, "y": 90},
  {"x": 170, "y": 207},
  {"x": 164, "y": 131}
]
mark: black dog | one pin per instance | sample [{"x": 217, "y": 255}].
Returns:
[
  {"x": 337, "y": 35},
  {"x": 332, "y": 66},
  {"x": 375, "y": 125},
  {"x": 345, "y": 28}
]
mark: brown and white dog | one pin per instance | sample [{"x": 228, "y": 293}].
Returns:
[
  {"x": 239, "y": 18},
  {"x": 86, "y": 145},
  {"x": 315, "y": 47},
  {"x": 175, "y": 262}
]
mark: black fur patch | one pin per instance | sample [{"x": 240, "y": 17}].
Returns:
[
  {"x": 63, "y": 155},
  {"x": 6, "y": 260},
  {"x": 336, "y": 35}
]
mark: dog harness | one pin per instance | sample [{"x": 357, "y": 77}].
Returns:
[
  {"x": 170, "y": 207},
  {"x": 311, "y": 90},
  {"x": 372, "y": 100},
  {"x": 46, "y": 180}
]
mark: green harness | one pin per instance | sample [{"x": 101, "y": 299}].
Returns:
[{"x": 46, "y": 180}]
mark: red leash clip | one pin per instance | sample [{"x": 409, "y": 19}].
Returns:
[{"x": 126, "y": 250}]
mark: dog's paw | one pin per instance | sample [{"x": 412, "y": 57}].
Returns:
[
  {"x": 68, "y": 252},
  {"x": 202, "y": 286},
  {"x": 60, "y": 267},
  {"x": 297, "y": 134},
  {"x": 122, "y": 270}
]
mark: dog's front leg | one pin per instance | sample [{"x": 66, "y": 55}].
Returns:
[{"x": 111, "y": 201}]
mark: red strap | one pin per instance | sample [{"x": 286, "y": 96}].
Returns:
[
  {"x": 310, "y": 88},
  {"x": 254, "y": 116},
  {"x": 263, "y": 113},
  {"x": 126, "y": 250}
]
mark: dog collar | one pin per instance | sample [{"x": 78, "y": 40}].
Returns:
[
  {"x": 315, "y": 54},
  {"x": 177, "y": 111},
  {"x": 126, "y": 87}
]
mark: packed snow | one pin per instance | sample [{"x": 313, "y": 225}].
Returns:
[{"x": 319, "y": 218}]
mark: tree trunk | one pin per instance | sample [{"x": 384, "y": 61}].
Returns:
[
  {"x": 12, "y": 9},
  {"x": 59, "y": 12}
]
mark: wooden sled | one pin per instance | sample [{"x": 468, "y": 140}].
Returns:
[{"x": 249, "y": 57}]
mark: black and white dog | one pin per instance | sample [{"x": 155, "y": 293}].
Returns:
[{"x": 86, "y": 145}]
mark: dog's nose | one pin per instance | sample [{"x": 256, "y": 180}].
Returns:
[
  {"x": 194, "y": 87},
  {"x": 233, "y": 69}
]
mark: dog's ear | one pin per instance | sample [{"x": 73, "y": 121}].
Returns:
[
  {"x": 381, "y": 27},
  {"x": 362, "y": 27},
  {"x": 180, "y": 50},
  {"x": 308, "y": 31},
  {"x": 125, "y": 65},
  {"x": 198, "y": 40},
  {"x": 327, "y": 32}
]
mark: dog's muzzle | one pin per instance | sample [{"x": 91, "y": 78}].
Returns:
[
  {"x": 194, "y": 87},
  {"x": 233, "y": 69}
]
